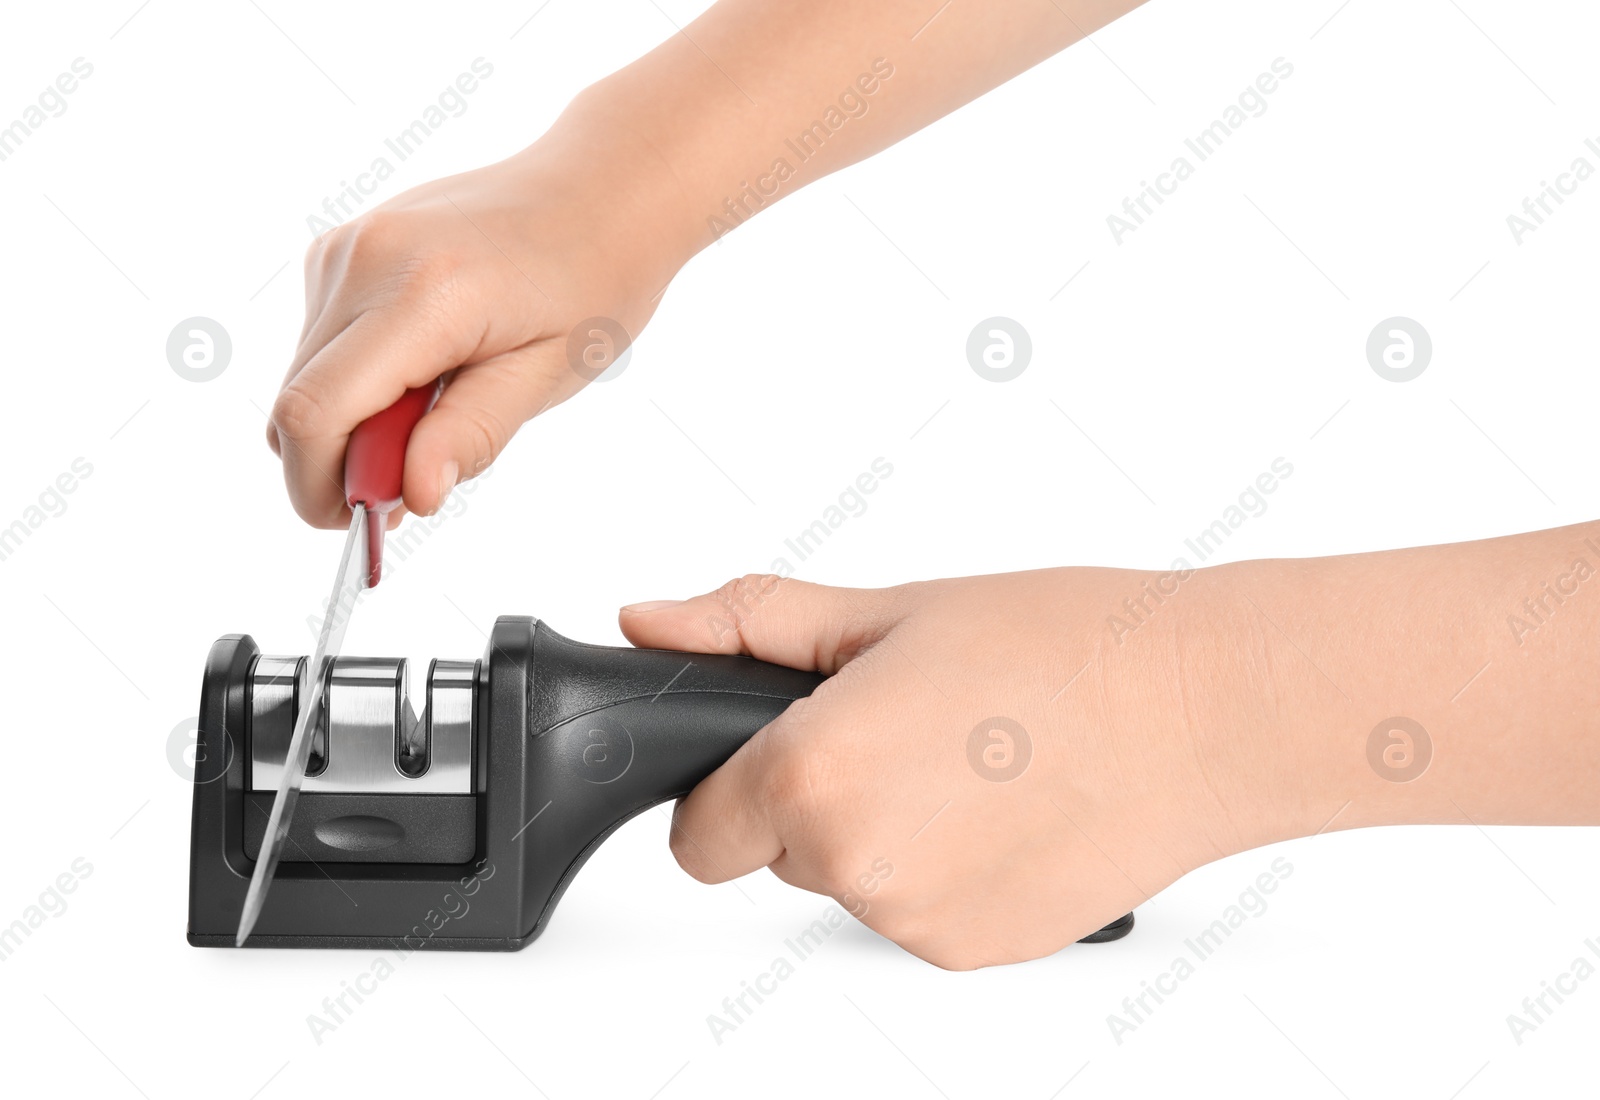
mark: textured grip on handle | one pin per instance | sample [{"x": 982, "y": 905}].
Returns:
[
  {"x": 572, "y": 679},
  {"x": 375, "y": 466},
  {"x": 617, "y": 730}
]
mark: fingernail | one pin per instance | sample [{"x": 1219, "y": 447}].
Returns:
[
  {"x": 651, "y": 605},
  {"x": 448, "y": 474}
]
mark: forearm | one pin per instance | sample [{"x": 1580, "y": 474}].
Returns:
[
  {"x": 1489, "y": 647},
  {"x": 755, "y": 99}
]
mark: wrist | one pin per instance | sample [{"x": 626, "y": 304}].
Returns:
[
  {"x": 648, "y": 148},
  {"x": 617, "y": 197},
  {"x": 1280, "y": 703}
]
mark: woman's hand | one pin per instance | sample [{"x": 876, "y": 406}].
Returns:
[
  {"x": 491, "y": 277},
  {"x": 988, "y": 775},
  {"x": 520, "y": 282}
]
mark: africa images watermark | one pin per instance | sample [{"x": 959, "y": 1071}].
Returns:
[
  {"x": 999, "y": 349},
  {"x": 1537, "y": 1009},
  {"x": 742, "y": 602},
  {"x": 199, "y": 349},
  {"x": 999, "y": 749},
  {"x": 737, "y": 1009},
  {"x": 51, "y": 902},
  {"x": 1138, "y": 1008},
  {"x": 401, "y": 545},
  {"x": 1139, "y": 609},
  {"x": 1251, "y": 103},
  {"x": 337, "y": 1009},
  {"x": 1399, "y": 749},
  {"x": 50, "y": 103},
  {"x": 853, "y": 102},
  {"x": 1538, "y": 207},
  {"x": 51, "y": 503},
  {"x": 351, "y": 197},
  {"x": 1539, "y": 608}
]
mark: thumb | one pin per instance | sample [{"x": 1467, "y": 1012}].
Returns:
[
  {"x": 809, "y": 626},
  {"x": 481, "y": 408}
]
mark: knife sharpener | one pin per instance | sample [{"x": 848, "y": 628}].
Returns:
[{"x": 462, "y": 827}]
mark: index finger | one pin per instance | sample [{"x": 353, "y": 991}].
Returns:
[{"x": 361, "y": 371}]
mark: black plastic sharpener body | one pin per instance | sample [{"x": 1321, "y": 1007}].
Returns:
[{"x": 566, "y": 742}]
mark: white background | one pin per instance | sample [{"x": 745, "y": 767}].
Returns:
[{"x": 1228, "y": 331}]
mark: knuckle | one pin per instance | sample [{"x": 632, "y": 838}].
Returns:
[
  {"x": 425, "y": 278},
  {"x": 793, "y": 791},
  {"x": 809, "y": 800},
  {"x": 749, "y": 589},
  {"x": 371, "y": 238},
  {"x": 430, "y": 294},
  {"x": 839, "y": 867},
  {"x": 296, "y": 414},
  {"x": 390, "y": 251},
  {"x": 325, "y": 246},
  {"x": 741, "y": 597},
  {"x": 394, "y": 241},
  {"x": 484, "y": 435}
]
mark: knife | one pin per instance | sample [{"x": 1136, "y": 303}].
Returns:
[{"x": 374, "y": 470}]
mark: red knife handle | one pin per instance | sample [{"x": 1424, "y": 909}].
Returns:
[{"x": 375, "y": 466}]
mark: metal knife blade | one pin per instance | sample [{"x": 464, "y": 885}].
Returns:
[{"x": 347, "y": 585}]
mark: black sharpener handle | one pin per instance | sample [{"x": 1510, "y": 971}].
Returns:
[
  {"x": 632, "y": 727},
  {"x": 618, "y": 730}
]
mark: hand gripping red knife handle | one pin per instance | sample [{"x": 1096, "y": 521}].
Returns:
[{"x": 375, "y": 466}]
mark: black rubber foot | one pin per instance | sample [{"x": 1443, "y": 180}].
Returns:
[{"x": 1113, "y": 931}]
